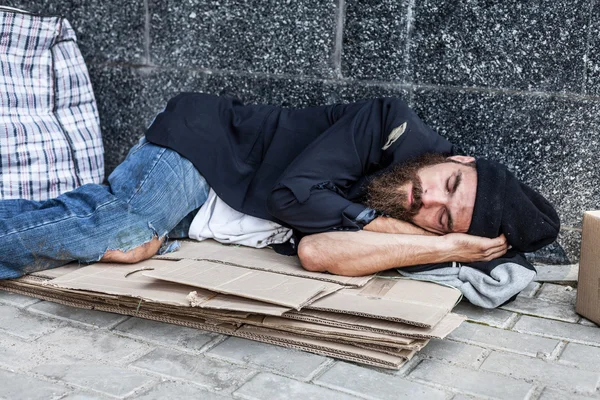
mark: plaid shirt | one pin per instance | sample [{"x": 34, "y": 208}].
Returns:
[{"x": 50, "y": 138}]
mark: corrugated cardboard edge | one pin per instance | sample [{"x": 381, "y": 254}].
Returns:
[
  {"x": 408, "y": 353},
  {"x": 124, "y": 311},
  {"x": 321, "y": 352},
  {"x": 393, "y": 351},
  {"x": 415, "y": 335},
  {"x": 190, "y": 322},
  {"x": 334, "y": 332},
  {"x": 367, "y": 315},
  {"x": 338, "y": 339},
  {"x": 340, "y": 349},
  {"x": 40, "y": 290}
]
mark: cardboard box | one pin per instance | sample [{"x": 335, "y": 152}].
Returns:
[{"x": 588, "y": 287}]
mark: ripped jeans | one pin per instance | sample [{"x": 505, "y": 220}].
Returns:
[{"x": 154, "y": 193}]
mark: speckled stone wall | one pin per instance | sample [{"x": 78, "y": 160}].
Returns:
[{"x": 511, "y": 80}]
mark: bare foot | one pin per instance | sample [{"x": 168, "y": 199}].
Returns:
[{"x": 137, "y": 254}]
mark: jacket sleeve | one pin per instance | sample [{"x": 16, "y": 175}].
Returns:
[
  {"x": 310, "y": 194},
  {"x": 324, "y": 210}
]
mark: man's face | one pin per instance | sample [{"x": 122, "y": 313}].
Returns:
[{"x": 438, "y": 196}]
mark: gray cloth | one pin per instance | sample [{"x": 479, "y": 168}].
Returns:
[{"x": 488, "y": 291}]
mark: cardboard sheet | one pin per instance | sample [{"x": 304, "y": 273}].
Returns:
[
  {"x": 59, "y": 271},
  {"x": 450, "y": 322},
  {"x": 234, "y": 303},
  {"x": 129, "y": 280},
  {"x": 260, "y": 259},
  {"x": 390, "y": 350},
  {"x": 401, "y": 300},
  {"x": 334, "y": 333},
  {"x": 283, "y": 290},
  {"x": 108, "y": 303},
  {"x": 588, "y": 287},
  {"x": 337, "y": 349},
  {"x": 321, "y": 347},
  {"x": 130, "y": 286}
]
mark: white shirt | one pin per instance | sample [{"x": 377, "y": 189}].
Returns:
[{"x": 216, "y": 220}]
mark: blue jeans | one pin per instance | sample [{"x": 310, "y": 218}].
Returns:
[{"x": 154, "y": 193}]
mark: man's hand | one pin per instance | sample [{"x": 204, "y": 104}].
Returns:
[{"x": 468, "y": 248}]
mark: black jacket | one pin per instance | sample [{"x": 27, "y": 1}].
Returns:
[{"x": 303, "y": 168}]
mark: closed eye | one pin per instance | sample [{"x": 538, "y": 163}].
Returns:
[
  {"x": 449, "y": 224},
  {"x": 457, "y": 182},
  {"x": 452, "y": 187}
]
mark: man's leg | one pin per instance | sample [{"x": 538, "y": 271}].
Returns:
[{"x": 148, "y": 195}]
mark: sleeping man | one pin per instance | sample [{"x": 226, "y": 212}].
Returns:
[{"x": 352, "y": 189}]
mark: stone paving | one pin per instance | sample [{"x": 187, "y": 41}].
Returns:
[{"x": 534, "y": 348}]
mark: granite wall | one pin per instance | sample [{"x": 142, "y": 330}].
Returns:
[{"x": 515, "y": 81}]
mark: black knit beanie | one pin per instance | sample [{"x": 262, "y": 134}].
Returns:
[{"x": 505, "y": 205}]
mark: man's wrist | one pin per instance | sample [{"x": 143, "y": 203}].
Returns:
[
  {"x": 447, "y": 248},
  {"x": 390, "y": 225}
]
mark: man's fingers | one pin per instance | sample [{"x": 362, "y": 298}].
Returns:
[
  {"x": 499, "y": 242},
  {"x": 501, "y": 239},
  {"x": 495, "y": 254},
  {"x": 499, "y": 246},
  {"x": 476, "y": 248}
]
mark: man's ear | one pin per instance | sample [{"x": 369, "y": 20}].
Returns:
[{"x": 462, "y": 159}]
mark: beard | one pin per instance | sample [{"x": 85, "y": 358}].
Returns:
[{"x": 386, "y": 195}]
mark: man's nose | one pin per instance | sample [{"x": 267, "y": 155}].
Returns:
[{"x": 433, "y": 197}]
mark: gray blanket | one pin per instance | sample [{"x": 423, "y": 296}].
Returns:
[{"x": 485, "y": 290}]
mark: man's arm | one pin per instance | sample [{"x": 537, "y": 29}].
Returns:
[
  {"x": 364, "y": 252},
  {"x": 392, "y": 225}
]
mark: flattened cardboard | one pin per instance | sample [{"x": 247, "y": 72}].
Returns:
[
  {"x": 283, "y": 290},
  {"x": 261, "y": 259},
  {"x": 316, "y": 346},
  {"x": 339, "y": 349},
  {"x": 401, "y": 300},
  {"x": 234, "y": 303},
  {"x": 221, "y": 321},
  {"x": 588, "y": 286},
  {"x": 333, "y": 333},
  {"x": 391, "y": 350},
  {"x": 59, "y": 271},
  {"x": 449, "y": 323},
  {"x": 128, "y": 280},
  {"x": 38, "y": 288},
  {"x": 66, "y": 297}
]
